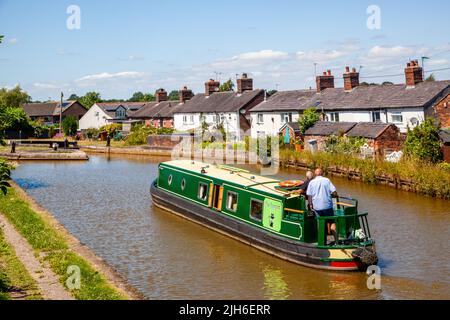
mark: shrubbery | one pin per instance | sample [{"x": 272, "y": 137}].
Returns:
[
  {"x": 5, "y": 172},
  {"x": 423, "y": 143},
  {"x": 139, "y": 134}
]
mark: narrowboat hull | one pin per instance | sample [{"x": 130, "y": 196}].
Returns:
[{"x": 300, "y": 253}]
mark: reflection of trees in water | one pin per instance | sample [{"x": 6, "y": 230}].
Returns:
[{"x": 275, "y": 288}]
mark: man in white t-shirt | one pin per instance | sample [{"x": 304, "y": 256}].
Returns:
[{"x": 320, "y": 198}]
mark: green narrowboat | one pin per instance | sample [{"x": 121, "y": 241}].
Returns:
[{"x": 257, "y": 211}]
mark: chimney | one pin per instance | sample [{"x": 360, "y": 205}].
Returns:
[
  {"x": 351, "y": 79},
  {"x": 211, "y": 86},
  {"x": 244, "y": 83},
  {"x": 325, "y": 81},
  {"x": 413, "y": 73},
  {"x": 161, "y": 95},
  {"x": 185, "y": 94}
]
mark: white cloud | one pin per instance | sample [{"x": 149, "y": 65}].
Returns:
[
  {"x": 262, "y": 55},
  {"x": 39, "y": 85},
  {"x": 111, "y": 76},
  {"x": 322, "y": 56},
  {"x": 390, "y": 52}
]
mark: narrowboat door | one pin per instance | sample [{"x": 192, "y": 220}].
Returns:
[{"x": 216, "y": 195}]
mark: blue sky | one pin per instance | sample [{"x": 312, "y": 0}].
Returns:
[{"x": 128, "y": 46}]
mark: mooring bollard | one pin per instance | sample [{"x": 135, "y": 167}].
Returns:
[
  {"x": 55, "y": 146},
  {"x": 13, "y": 147}
]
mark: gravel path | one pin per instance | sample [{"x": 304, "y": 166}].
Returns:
[{"x": 45, "y": 278}]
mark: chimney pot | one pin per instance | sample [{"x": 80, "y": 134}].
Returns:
[
  {"x": 161, "y": 95},
  {"x": 413, "y": 73},
  {"x": 244, "y": 83},
  {"x": 351, "y": 79},
  {"x": 324, "y": 81},
  {"x": 185, "y": 94},
  {"x": 211, "y": 86}
]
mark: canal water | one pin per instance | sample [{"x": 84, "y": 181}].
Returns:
[{"x": 106, "y": 204}]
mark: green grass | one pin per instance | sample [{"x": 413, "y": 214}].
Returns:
[
  {"x": 44, "y": 239},
  {"x": 13, "y": 274}
]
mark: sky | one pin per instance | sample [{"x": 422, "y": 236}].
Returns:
[{"x": 120, "y": 47}]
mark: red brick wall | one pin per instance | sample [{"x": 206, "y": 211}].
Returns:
[
  {"x": 389, "y": 140},
  {"x": 320, "y": 142},
  {"x": 446, "y": 152},
  {"x": 442, "y": 112}
]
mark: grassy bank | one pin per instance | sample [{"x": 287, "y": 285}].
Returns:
[
  {"x": 51, "y": 245},
  {"x": 425, "y": 178},
  {"x": 13, "y": 275}
]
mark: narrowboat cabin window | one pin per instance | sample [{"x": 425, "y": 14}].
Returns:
[
  {"x": 202, "y": 191},
  {"x": 232, "y": 201},
  {"x": 183, "y": 184},
  {"x": 169, "y": 180},
  {"x": 256, "y": 209}
]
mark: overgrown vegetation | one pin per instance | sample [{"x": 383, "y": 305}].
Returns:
[
  {"x": 139, "y": 134},
  {"x": 423, "y": 143},
  {"x": 45, "y": 239},
  {"x": 5, "y": 172},
  {"x": 70, "y": 126},
  {"x": 308, "y": 119},
  {"x": 427, "y": 178},
  {"x": 12, "y": 116},
  {"x": 344, "y": 145}
]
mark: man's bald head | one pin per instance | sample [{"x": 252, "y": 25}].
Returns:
[
  {"x": 318, "y": 172},
  {"x": 309, "y": 174}
]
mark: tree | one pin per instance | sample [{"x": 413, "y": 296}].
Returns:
[
  {"x": 174, "y": 95},
  {"x": 73, "y": 96},
  {"x": 1, "y": 38},
  {"x": 89, "y": 99},
  {"x": 70, "y": 126},
  {"x": 148, "y": 97},
  {"x": 387, "y": 83},
  {"x": 227, "y": 86},
  {"x": 136, "y": 97},
  {"x": 12, "y": 116},
  {"x": 430, "y": 78},
  {"x": 308, "y": 119},
  {"x": 423, "y": 142}
]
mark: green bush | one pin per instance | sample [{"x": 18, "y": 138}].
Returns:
[
  {"x": 5, "y": 173},
  {"x": 423, "y": 143},
  {"x": 139, "y": 134},
  {"x": 92, "y": 133},
  {"x": 70, "y": 126}
]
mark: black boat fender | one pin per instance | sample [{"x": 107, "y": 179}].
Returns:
[{"x": 366, "y": 256}]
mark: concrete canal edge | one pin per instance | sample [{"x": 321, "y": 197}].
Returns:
[
  {"x": 29, "y": 155},
  {"x": 137, "y": 151},
  {"x": 113, "y": 276}
]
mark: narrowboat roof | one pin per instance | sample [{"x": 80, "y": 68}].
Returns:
[{"x": 232, "y": 175}]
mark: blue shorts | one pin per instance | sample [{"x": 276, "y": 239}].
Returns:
[{"x": 326, "y": 212}]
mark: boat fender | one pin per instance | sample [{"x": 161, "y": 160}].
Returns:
[
  {"x": 290, "y": 183},
  {"x": 366, "y": 256}
]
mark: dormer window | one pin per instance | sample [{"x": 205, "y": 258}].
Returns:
[{"x": 121, "y": 113}]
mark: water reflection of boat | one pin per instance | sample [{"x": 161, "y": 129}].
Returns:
[{"x": 258, "y": 212}]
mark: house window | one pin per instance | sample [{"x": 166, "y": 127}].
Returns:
[
  {"x": 191, "y": 119},
  {"x": 188, "y": 119},
  {"x": 397, "y": 117},
  {"x": 334, "y": 117},
  {"x": 120, "y": 113},
  {"x": 202, "y": 191},
  {"x": 256, "y": 209},
  {"x": 260, "y": 118},
  {"x": 232, "y": 201},
  {"x": 376, "y": 116},
  {"x": 286, "y": 117}
]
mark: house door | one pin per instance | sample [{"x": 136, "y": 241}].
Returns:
[{"x": 216, "y": 197}]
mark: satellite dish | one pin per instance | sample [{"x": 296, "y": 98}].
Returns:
[{"x": 414, "y": 122}]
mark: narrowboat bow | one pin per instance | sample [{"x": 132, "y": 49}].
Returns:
[{"x": 258, "y": 211}]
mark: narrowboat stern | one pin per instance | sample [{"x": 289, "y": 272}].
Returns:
[{"x": 263, "y": 213}]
